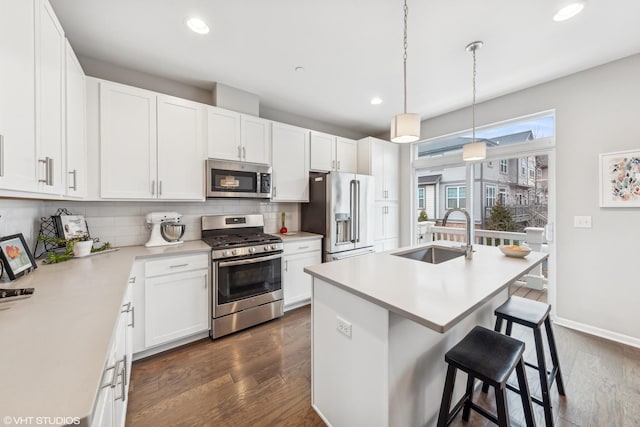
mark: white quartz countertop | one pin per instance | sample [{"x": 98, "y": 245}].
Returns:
[
  {"x": 298, "y": 236},
  {"x": 55, "y": 343},
  {"x": 435, "y": 295}
]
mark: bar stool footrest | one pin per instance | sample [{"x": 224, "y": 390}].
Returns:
[{"x": 533, "y": 398}]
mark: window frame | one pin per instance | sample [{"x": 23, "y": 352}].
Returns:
[{"x": 457, "y": 198}]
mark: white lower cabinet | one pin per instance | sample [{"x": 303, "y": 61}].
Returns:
[
  {"x": 111, "y": 404},
  {"x": 176, "y": 298},
  {"x": 296, "y": 284}
]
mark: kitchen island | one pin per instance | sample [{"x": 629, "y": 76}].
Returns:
[{"x": 381, "y": 325}]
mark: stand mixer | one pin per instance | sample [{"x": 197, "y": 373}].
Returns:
[{"x": 166, "y": 229}]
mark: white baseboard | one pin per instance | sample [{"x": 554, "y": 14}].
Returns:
[
  {"x": 602, "y": 333},
  {"x": 315, "y": 408}
]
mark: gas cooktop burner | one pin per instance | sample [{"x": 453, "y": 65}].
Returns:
[{"x": 239, "y": 240}]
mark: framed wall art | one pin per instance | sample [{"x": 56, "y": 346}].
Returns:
[
  {"x": 620, "y": 179},
  {"x": 15, "y": 256}
]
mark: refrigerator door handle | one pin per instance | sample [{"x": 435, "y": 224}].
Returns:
[
  {"x": 353, "y": 212},
  {"x": 357, "y": 211}
]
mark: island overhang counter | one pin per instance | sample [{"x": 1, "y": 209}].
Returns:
[{"x": 381, "y": 324}]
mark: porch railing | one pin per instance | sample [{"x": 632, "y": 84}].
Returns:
[{"x": 532, "y": 237}]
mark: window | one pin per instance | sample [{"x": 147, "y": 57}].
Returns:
[
  {"x": 532, "y": 174},
  {"x": 421, "y": 200},
  {"x": 490, "y": 195},
  {"x": 523, "y": 167},
  {"x": 456, "y": 197},
  {"x": 518, "y": 131},
  {"x": 503, "y": 196},
  {"x": 504, "y": 166},
  {"x": 539, "y": 173}
]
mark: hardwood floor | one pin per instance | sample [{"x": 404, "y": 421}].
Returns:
[{"x": 261, "y": 377}]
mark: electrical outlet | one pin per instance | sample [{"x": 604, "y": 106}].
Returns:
[
  {"x": 343, "y": 326},
  {"x": 582, "y": 222}
]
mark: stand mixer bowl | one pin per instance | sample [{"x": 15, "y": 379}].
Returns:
[{"x": 172, "y": 231}]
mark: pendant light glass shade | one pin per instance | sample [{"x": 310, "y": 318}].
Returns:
[
  {"x": 474, "y": 151},
  {"x": 405, "y": 128}
]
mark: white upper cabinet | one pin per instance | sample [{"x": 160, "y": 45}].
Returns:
[
  {"x": 331, "y": 153},
  {"x": 50, "y": 96},
  {"x": 181, "y": 152},
  {"x": 238, "y": 137},
  {"x": 17, "y": 96},
  {"x": 223, "y": 134},
  {"x": 128, "y": 168},
  {"x": 76, "y": 145},
  {"x": 152, "y": 146},
  {"x": 346, "y": 155},
  {"x": 380, "y": 159},
  {"x": 255, "y": 135},
  {"x": 290, "y": 157}
]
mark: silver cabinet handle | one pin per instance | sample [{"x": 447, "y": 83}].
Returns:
[
  {"x": 206, "y": 281},
  {"x": 302, "y": 247},
  {"x": 244, "y": 153},
  {"x": 126, "y": 307},
  {"x": 153, "y": 187},
  {"x": 338, "y": 164},
  {"x": 1, "y": 155},
  {"x": 239, "y": 153},
  {"x": 333, "y": 164},
  {"x": 75, "y": 180},
  {"x": 178, "y": 265},
  {"x": 48, "y": 171},
  {"x": 275, "y": 192},
  {"x": 159, "y": 188},
  {"x": 132, "y": 279},
  {"x": 286, "y": 265},
  {"x": 133, "y": 317},
  {"x": 113, "y": 378},
  {"x": 123, "y": 375}
]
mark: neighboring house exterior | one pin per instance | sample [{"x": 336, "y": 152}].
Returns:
[{"x": 519, "y": 183}]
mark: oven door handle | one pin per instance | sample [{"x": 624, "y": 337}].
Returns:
[{"x": 248, "y": 261}]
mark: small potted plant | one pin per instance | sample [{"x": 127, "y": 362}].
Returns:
[
  {"x": 81, "y": 245},
  {"x": 423, "y": 217}
]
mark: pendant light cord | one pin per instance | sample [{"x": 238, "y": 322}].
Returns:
[
  {"x": 473, "y": 104},
  {"x": 406, "y": 13}
]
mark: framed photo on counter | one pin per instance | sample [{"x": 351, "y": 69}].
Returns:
[
  {"x": 16, "y": 256},
  {"x": 70, "y": 226}
]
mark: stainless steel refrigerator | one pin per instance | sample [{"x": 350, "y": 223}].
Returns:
[{"x": 340, "y": 208}]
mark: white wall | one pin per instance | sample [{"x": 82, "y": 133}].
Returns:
[{"x": 597, "y": 111}]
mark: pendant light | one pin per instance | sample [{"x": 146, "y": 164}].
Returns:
[
  {"x": 405, "y": 127},
  {"x": 475, "y": 150}
]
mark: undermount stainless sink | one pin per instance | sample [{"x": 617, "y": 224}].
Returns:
[{"x": 433, "y": 254}]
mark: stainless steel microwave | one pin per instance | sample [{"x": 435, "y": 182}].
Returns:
[{"x": 238, "y": 179}]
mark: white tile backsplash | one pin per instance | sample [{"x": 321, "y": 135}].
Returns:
[
  {"x": 123, "y": 223},
  {"x": 21, "y": 216}
]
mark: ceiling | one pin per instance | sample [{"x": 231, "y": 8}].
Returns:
[{"x": 352, "y": 50}]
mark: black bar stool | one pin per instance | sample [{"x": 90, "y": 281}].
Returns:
[
  {"x": 490, "y": 357},
  {"x": 533, "y": 314}
]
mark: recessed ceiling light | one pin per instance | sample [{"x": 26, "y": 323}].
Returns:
[
  {"x": 569, "y": 11},
  {"x": 376, "y": 100},
  {"x": 299, "y": 69},
  {"x": 197, "y": 25}
]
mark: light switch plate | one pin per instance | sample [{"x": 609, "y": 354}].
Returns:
[{"x": 582, "y": 221}]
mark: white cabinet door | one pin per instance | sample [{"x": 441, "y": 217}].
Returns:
[
  {"x": 137, "y": 282},
  {"x": 17, "y": 96},
  {"x": 103, "y": 411},
  {"x": 50, "y": 94},
  {"x": 181, "y": 151},
  {"x": 290, "y": 157},
  {"x": 379, "y": 218},
  {"x": 346, "y": 155},
  {"x": 322, "y": 147},
  {"x": 128, "y": 167},
  {"x": 386, "y": 220},
  {"x": 223, "y": 134},
  {"x": 296, "y": 284},
  {"x": 255, "y": 136},
  {"x": 391, "y": 170},
  {"x": 76, "y": 142},
  {"x": 176, "y": 306}
]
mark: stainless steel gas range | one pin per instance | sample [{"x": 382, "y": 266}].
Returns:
[{"x": 246, "y": 272}]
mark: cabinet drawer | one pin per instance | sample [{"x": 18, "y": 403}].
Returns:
[
  {"x": 301, "y": 246},
  {"x": 176, "y": 264}
]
